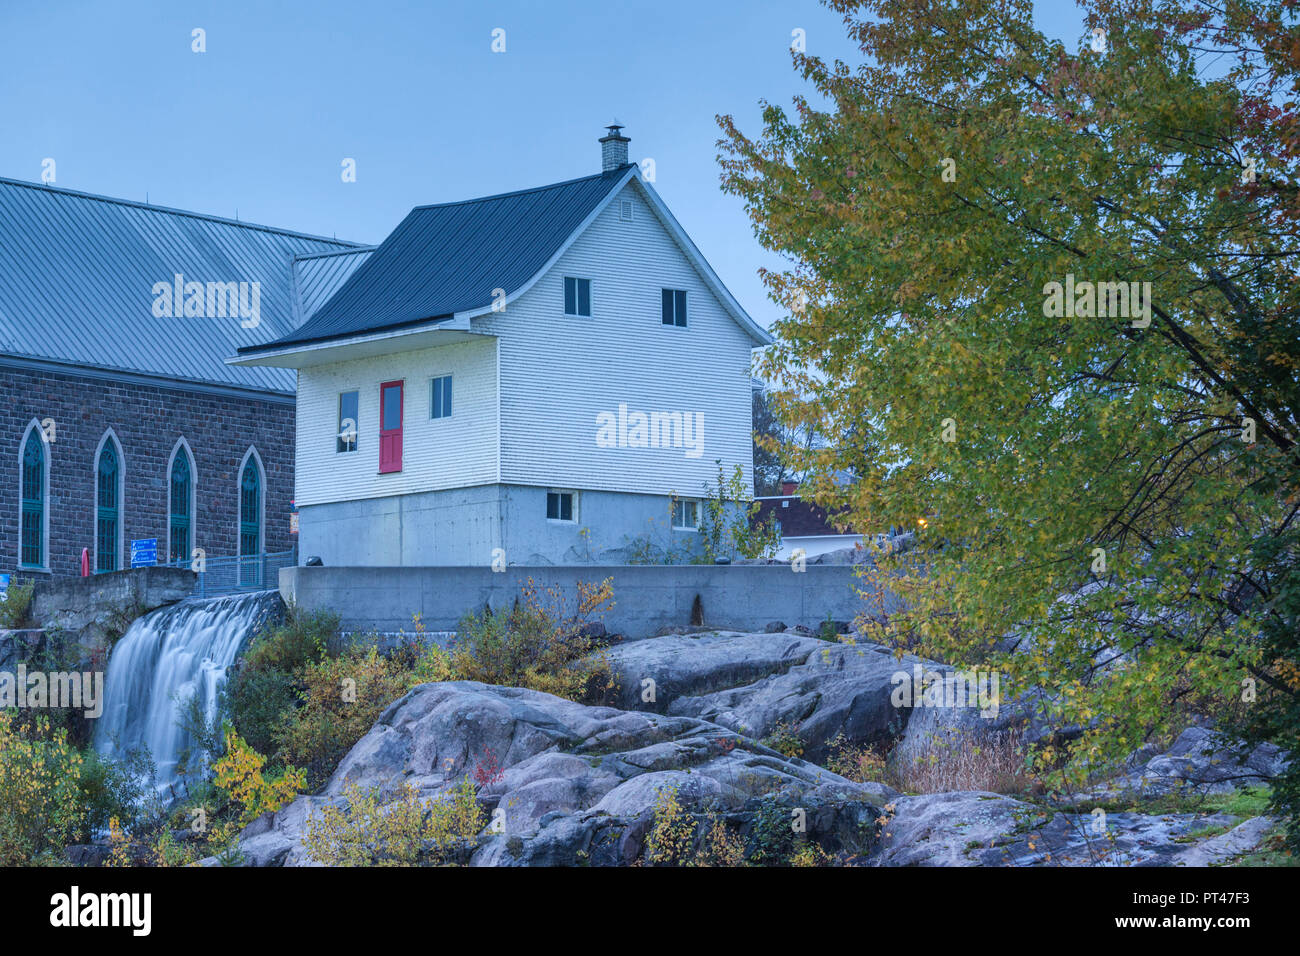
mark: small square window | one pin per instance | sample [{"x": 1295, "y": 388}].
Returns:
[
  {"x": 577, "y": 297},
  {"x": 346, "y": 436},
  {"x": 686, "y": 515},
  {"x": 673, "y": 307},
  {"x": 559, "y": 506},
  {"x": 440, "y": 397}
]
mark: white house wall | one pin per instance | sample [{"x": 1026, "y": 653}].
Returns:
[
  {"x": 558, "y": 372},
  {"x": 453, "y": 452}
]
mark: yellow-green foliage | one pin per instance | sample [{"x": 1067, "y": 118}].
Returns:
[
  {"x": 728, "y": 525},
  {"x": 859, "y": 764},
  {"x": 784, "y": 739},
  {"x": 538, "y": 644},
  {"x": 810, "y": 854},
  {"x": 341, "y": 699},
  {"x": 15, "y": 609},
  {"x": 239, "y": 775},
  {"x": 720, "y": 847},
  {"x": 671, "y": 838},
  {"x": 406, "y": 831},
  {"x": 40, "y": 809}
]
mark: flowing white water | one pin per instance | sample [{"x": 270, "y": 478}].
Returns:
[{"x": 163, "y": 660}]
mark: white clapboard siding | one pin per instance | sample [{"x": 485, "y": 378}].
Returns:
[
  {"x": 440, "y": 453},
  {"x": 558, "y": 373}
]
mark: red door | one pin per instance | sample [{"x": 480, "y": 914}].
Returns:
[{"x": 390, "y": 427}]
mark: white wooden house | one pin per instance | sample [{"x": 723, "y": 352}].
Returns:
[{"x": 548, "y": 375}]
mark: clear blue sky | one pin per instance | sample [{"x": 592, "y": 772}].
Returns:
[{"x": 412, "y": 91}]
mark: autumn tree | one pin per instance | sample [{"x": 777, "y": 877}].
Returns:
[{"x": 1051, "y": 289}]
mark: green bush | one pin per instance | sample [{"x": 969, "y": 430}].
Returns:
[
  {"x": 538, "y": 645},
  {"x": 405, "y": 831},
  {"x": 340, "y": 701},
  {"x": 40, "y": 795},
  {"x": 267, "y": 682},
  {"x": 16, "y": 608},
  {"x": 116, "y": 789}
]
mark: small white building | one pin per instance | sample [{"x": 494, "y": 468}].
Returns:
[{"x": 554, "y": 372}]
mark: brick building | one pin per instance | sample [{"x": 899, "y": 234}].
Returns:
[{"x": 120, "y": 419}]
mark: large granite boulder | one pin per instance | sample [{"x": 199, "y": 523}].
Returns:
[
  {"x": 838, "y": 689},
  {"x": 685, "y": 665}
]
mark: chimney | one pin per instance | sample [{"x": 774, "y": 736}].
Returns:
[
  {"x": 613, "y": 149},
  {"x": 788, "y": 487}
]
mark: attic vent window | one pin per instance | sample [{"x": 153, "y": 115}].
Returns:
[{"x": 625, "y": 210}]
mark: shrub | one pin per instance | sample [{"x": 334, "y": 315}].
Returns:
[
  {"x": 772, "y": 841},
  {"x": 40, "y": 793},
  {"x": 719, "y": 847},
  {"x": 859, "y": 764},
  {"x": 266, "y": 683},
  {"x": 996, "y": 764},
  {"x": 115, "y": 789},
  {"x": 239, "y": 775},
  {"x": 340, "y": 700},
  {"x": 16, "y": 608},
  {"x": 406, "y": 831},
  {"x": 727, "y": 523},
  {"x": 784, "y": 739},
  {"x": 672, "y": 829},
  {"x": 538, "y": 644}
]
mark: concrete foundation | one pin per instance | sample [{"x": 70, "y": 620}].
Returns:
[{"x": 465, "y": 526}]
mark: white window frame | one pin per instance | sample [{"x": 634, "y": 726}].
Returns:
[
  {"x": 573, "y": 507},
  {"x": 437, "y": 378},
  {"x": 356, "y": 428}
]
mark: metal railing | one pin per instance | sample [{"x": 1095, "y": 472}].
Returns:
[{"x": 232, "y": 574}]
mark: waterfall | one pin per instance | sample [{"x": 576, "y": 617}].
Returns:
[{"x": 163, "y": 660}]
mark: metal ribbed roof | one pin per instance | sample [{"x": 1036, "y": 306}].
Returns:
[
  {"x": 319, "y": 275},
  {"x": 77, "y": 273},
  {"x": 445, "y": 259}
]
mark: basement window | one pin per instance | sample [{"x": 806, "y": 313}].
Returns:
[
  {"x": 559, "y": 506},
  {"x": 686, "y": 515},
  {"x": 577, "y": 297}
]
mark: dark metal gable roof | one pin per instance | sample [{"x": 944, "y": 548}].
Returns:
[
  {"x": 77, "y": 272},
  {"x": 448, "y": 258}
]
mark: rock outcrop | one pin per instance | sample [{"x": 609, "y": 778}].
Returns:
[
  {"x": 571, "y": 784},
  {"x": 574, "y": 783}
]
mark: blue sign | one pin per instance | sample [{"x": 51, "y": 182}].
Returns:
[
  {"x": 4, "y": 586},
  {"x": 144, "y": 553}
]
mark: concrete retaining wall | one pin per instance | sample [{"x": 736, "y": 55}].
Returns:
[{"x": 647, "y": 598}]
